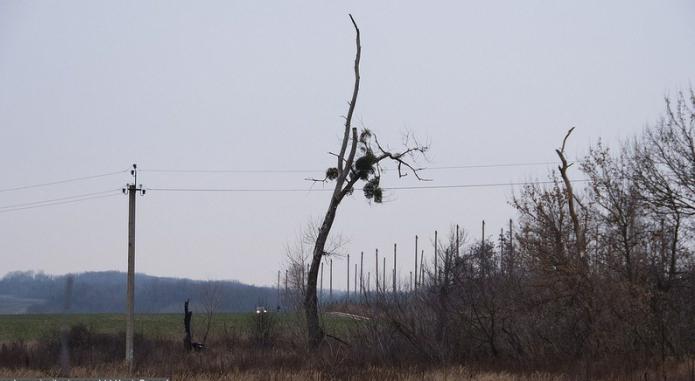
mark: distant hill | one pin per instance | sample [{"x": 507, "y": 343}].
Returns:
[{"x": 104, "y": 292}]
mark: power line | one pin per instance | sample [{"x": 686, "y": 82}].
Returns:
[
  {"x": 60, "y": 203},
  {"x": 420, "y": 187},
  {"x": 58, "y": 199},
  {"x": 16, "y": 188},
  {"x": 470, "y": 166},
  {"x": 267, "y": 171},
  {"x": 230, "y": 170},
  {"x": 500, "y": 165}
]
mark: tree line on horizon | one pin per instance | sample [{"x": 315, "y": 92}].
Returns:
[{"x": 104, "y": 292}]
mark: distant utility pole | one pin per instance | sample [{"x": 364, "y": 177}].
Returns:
[
  {"x": 415, "y": 263},
  {"x": 321, "y": 282},
  {"x": 511, "y": 246},
  {"x": 436, "y": 269},
  {"x": 376, "y": 273},
  {"x": 330, "y": 282},
  {"x": 395, "y": 249},
  {"x": 383, "y": 276},
  {"x": 362, "y": 273},
  {"x": 457, "y": 242},
  {"x": 422, "y": 268},
  {"x": 131, "y": 190},
  {"x": 348, "y": 277}
]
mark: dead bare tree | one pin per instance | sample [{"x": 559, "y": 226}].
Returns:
[
  {"x": 345, "y": 175},
  {"x": 571, "y": 197}
]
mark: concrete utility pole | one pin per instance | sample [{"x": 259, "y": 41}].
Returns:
[
  {"x": 395, "y": 249},
  {"x": 321, "y": 283},
  {"x": 383, "y": 276},
  {"x": 330, "y": 282},
  {"x": 415, "y": 262},
  {"x": 457, "y": 242},
  {"x": 422, "y": 268},
  {"x": 436, "y": 269},
  {"x": 362, "y": 273},
  {"x": 511, "y": 246},
  {"x": 131, "y": 190},
  {"x": 348, "y": 277},
  {"x": 376, "y": 273}
]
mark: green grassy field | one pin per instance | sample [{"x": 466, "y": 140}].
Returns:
[{"x": 32, "y": 327}]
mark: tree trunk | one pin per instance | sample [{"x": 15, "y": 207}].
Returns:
[{"x": 314, "y": 330}]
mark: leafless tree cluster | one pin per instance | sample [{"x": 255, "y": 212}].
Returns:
[{"x": 601, "y": 271}]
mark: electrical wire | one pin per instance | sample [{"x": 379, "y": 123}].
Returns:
[
  {"x": 499, "y": 165},
  {"x": 267, "y": 171},
  {"x": 74, "y": 179},
  {"x": 58, "y": 199},
  {"x": 58, "y": 203},
  {"x": 420, "y": 187}
]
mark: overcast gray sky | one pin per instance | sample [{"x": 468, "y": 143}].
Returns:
[{"x": 90, "y": 87}]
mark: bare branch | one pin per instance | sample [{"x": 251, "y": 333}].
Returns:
[
  {"x": 398, "y": 158},
  {"x": 353, "y": 101}
]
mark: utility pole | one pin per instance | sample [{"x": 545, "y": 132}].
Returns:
[
  {"x": 422, "y": 268},
  {"x": 376, "y": 273},
  {"x": 395, "y": 246},
  {"x": 131, "y": 190},
  {"x": 278, "y": 301},
  {"x": 511, "y": 247},
  {"x": 355, "y": 293},
  {"x": 383, "y": 276},
  {"x": 436, "y": 270},
  {"x": 330, "y": 281},
  {"x": 501, "y": 250},
  {"x": 457, "y": 241},
  {"x": 321, "y": 283},
  {"x": 483, "y": 258},
  {"x": 415, "y": 263},
  {"x": 361, "y": 272},
  {"x": 348, "y": 277}
]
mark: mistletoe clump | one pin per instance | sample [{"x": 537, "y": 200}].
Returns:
[
  {"x": 332, "y": 173},
  {"x": 372, "y": 190},
  {"x": 364, "y": 166}
]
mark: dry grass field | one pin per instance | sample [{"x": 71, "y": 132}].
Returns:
[
  {"x": 237, "y": 350},
  {"x": 681, "y": 372}
]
